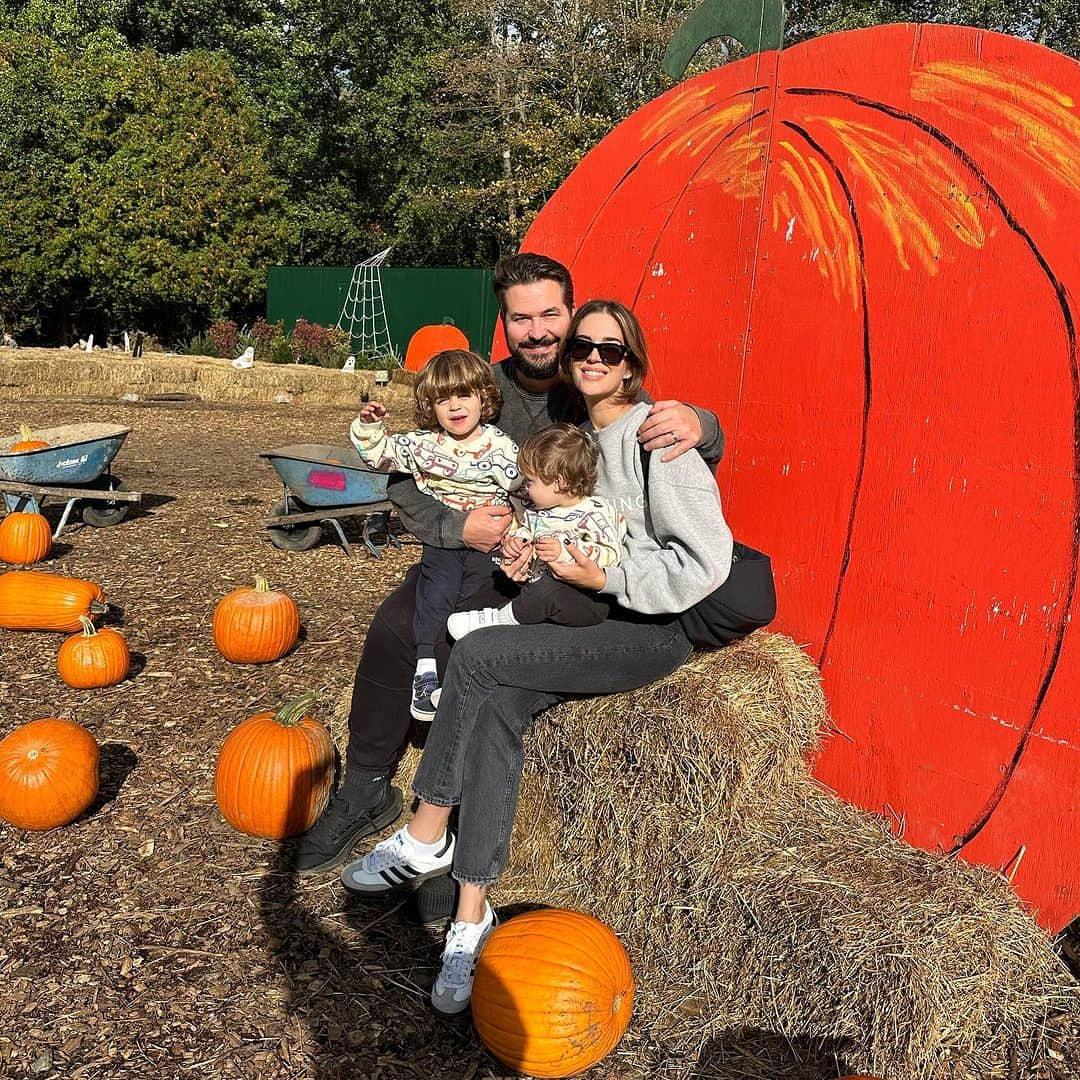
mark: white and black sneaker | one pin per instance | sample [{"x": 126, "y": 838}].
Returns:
[
  {"x": 452, "y": 990},
  {"x": 397, "y": 861},
  {"x": 425, "y": 696}
]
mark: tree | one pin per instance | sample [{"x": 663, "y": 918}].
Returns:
[{"x": 134, "y": 190}]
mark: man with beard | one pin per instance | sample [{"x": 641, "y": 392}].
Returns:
[{"x": 536, "y": 301}]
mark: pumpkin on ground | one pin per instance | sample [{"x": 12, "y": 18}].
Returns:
[
  {"x": 25, "y": 538},
  {"x": 93, "y": 658},
  {"x": 553, "y": 992},
  {"x": 48, "y": 774},
  {"x": 255, "y": 625},
  {"x": 26, "y": 442},
  {"x": 34, "y": 600},
  {"x": 275, "y": 771}
]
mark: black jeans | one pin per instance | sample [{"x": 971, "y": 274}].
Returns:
[
  {"x": 547, "y": 599},
  {"x": 379, "y": 718},
  {"x": 446, "y": 576},
  {"x": 498, "y": 679}
]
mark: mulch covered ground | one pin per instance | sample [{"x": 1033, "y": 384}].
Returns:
[{"x": 149, "y": 939}]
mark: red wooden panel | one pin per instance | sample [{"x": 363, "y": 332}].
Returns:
[{"x": 859, "y": 253}]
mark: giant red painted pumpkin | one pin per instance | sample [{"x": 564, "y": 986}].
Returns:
[{"x": 861, "y": 253}]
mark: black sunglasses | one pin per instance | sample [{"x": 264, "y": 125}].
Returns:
[{"x": 611, "y": 353}]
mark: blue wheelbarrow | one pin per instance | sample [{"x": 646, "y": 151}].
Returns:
[
  {"x": 323, "y": 486},
  {"x": 75, "y": 465}
]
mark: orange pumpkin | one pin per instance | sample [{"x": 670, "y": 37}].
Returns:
[
  {"x": 24, "y": 538},
  {"x": 553, "y": 992},
  {"x": 275, "y": 771},
  {"x": 48, "y": 774},
  {"x": 255, "y": 626},
  {"x": 93, "y": 658},
  {"x": 26, "y": 442},
  {"x": 34, "y": 600}
]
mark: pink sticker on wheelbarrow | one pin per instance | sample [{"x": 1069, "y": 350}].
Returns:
[{"x": 323, "y": 478}]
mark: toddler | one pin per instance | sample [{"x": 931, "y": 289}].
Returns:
[
  {"x": 559, "y": 469},
  {"x": 459, "y": 459}
]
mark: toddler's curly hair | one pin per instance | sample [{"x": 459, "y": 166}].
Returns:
[
  {"x": 455, "y": 371},
  {"x": 561, "y": 453}
]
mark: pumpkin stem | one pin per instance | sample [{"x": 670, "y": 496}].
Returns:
[
  {"x": 291, "y": 714},
  {"x": 757, "y": 25},
  {"x": 25, "y": 432},
  {"x": 87, "y": 626},
  {"x": 98, "y": 607},
  {"x": 261, "y": 584}
]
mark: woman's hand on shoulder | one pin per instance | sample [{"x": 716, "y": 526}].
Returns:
[
  {"x": 372, "y": 411},
  {"x": 670, "y": 426},
  {"x": 582, "y": 572}
]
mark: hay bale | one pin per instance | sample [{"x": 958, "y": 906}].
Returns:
[{"x": 684, "y": 815}]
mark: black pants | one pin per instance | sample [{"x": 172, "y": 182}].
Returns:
[
  {"x": 446, "y": 576},
  {"x": 379, "y": 718},
  {"x": 547, "y": 599}
]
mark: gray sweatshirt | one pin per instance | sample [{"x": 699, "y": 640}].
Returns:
[
  {"x": 522, "y": 414},
  {"x": 678, "y": 546}
]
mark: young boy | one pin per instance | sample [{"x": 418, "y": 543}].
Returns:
[
  {"x": 459, "y": 459},
  {"x": 559, "y": 468}
]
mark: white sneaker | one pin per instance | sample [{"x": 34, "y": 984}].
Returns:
[
  {"x": 465, "y": 622},
  {"x": 453, "y": 986},
  {"x": 395, "y": 862}
]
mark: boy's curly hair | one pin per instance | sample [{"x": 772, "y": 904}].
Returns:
[
  {"x": 455, "y": 371},
  {"x": 561, "y": 453}
]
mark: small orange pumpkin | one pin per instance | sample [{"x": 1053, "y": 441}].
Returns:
[
  {"x": 26, "y": 442},
  {"x": 25, "y": 538},
  {"x": 35, "y": 600},
  {"x": 553, "y": 992},
  {"x": 255, "y": 626},
  {"x": 48, "y": 773},
  {"x": 93, "y": 658},
  {"x": 275, "y": 771}
]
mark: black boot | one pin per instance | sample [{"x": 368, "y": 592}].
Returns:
[{"x": 359, "y": 808}]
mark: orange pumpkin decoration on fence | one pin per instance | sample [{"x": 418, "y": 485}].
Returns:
[
  {"x": 34, "y": 600},
  {"x": 275, "y": 771},
  {"x": 255, "y": 626},
  {"x": 553, "y": 992},
  {"x": 26, "y": 442},
  {"x": 48, "y": 774},
  {"x": 429, "y": 340},
  {"x": 25, "y": 538},
  {"x": 93, "y": 658},
  {"x": 856, "y": 252}
]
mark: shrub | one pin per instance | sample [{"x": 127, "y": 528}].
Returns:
[
  {"x": 280, "y": 352},
  {"x": 314, "y": 344},
  {"x": 225, "y": 336},
  {"x": 265, "y": 336},
  {"x": 200, "y": 345}
]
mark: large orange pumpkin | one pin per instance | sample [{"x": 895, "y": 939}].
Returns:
[
  {"x": 857, "y": 252},
  {"x": 255, "y": 626},
  {"x": 34, "y": 600},
  {"x": 275, "y": 771},
  {"x": 48, "y": 773},
  {"x": 93, "y": 658},
  {"x": 429, "y": 340},
  {"x": 25, "y": 538},
  {"x": 25, "y": 442},
  {"x": 553, "y": 992}
]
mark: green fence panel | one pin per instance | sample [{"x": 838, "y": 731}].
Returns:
[{"x": 413, "y": 298}]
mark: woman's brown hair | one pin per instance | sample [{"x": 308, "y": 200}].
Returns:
[
  {"x": 455, "y": 371},
  {"x": 637, "y": 360},
  {"x": 561, "y": 454}
]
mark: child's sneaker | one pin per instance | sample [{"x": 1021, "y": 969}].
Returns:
[
  {"x": 465, "y": 622},
  {"x": 424, "y": 687},
  {"x": 399, "y": 860},
  {"x": 453, "y": 986}
]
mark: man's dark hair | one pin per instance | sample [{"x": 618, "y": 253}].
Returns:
[{"x": 527, "y": 269}]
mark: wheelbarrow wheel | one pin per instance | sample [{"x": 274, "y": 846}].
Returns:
[
  {"x": 103, "y": 514},
  {"x": 293, "y": 537}
]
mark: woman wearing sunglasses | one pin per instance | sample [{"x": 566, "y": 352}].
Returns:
[{"x": 678, "y": 550}]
